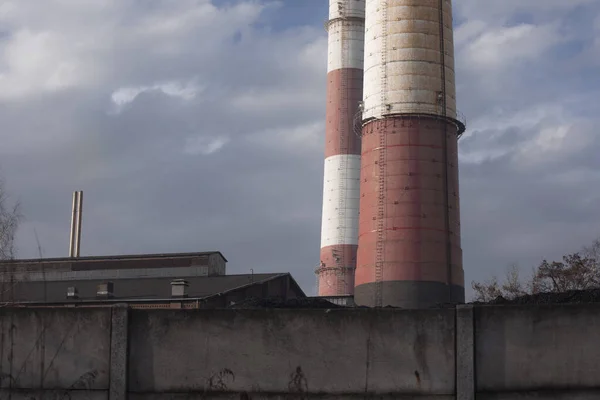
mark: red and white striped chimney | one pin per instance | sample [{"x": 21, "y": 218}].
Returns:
[
  {"x": 339, "y": 229},
  {"x": 409, "y": 251}
]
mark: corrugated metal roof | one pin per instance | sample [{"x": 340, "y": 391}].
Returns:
[
  {"x": 110, "y": 258},
  {"x": 139, "y": 288}
]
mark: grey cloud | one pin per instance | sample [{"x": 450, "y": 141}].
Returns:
[{"x": 519, "y": 213}]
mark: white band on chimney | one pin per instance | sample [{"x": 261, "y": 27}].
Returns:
[
  {"x": 350, "y": 54},
  {"x": 405, "y": 62}
]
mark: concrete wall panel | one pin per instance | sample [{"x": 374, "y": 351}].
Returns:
[
  {"x": 520, "y": 353},
  {"x": 54, "y": 394},
  {"x": 293, "y": 351},
  {"x": 551, "y": 347},
  {"x": 571, "y": 394},
  {"x": 286, "y": 396},
  {"x": 69, "y": 348}
]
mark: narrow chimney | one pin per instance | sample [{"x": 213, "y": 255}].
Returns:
[
  {"x": 339, "y": 223},
  {"x": 73, "y": 218},
  {"x": 79, "y": 217},
  {"x": 76, "y": 213}
]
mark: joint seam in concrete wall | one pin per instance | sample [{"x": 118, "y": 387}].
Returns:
[
  {"x": 465, "y": 353},
  {"x": 119, "y": 345}
]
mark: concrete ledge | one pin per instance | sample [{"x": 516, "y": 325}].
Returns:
[
  {"x": 26, "y": 394},
  {"x": 566, "y": 394},
  {"x": 281, "y": 396}
]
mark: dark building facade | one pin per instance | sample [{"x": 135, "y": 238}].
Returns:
[{"x": 182, "y": 280}]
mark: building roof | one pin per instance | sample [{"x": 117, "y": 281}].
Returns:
[
  {"x": 128, "y": 289},
  {"x": 113, "y": 262},
  {"x": 113, "y": 257}
]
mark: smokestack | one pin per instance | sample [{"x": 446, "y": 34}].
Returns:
[
  {"x": 409, "y": 250},
  {"x": 339, "y": 228},
  {"x": 79, "y": 217},
  {"x": 73, "y": 232},
  {"x": 76, "y": 216}
]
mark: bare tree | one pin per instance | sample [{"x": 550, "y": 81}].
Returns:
[
  {"x": 511, "y": 287},
  {"x": 10, "y": 218},
  {"x": 592, "y": 251},
  {"x": 576, "y": 271},
  {"x": 486, "y": 291}
]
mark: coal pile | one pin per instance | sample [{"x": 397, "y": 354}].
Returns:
[
  {"x": 570, "y": 297},
  {"x": 306, "y": 303}
]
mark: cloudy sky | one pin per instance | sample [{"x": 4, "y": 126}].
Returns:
[{"x": 193, "y": 125}]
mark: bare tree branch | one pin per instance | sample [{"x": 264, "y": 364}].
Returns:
[
  {"x": 576, "y": 271},
  {"x": 10, "y": 218}
]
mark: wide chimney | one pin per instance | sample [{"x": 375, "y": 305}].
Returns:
[
  {"x": 339, "y": 228},
  {"x": 409, "y": 248}
]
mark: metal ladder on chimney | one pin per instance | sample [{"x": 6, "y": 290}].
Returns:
[
  {"x": 341, "y": 259},
  {"x": 380, "y": 244},
  {"x": 444, "y": 110}
]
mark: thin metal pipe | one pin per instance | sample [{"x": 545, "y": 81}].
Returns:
[
  {"x": 73, "y": 223},
  {"x": 79, "y": 218}
]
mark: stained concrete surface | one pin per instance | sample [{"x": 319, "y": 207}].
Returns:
[
  {"x": 549, "y": 347},
  {"x": 68, "y": 348},
  {"x": 286, "y": 396},
  {"x": 53, "y": 394},
  {"x": 283, "y": 351},
  {"x": 502, "y": 353},
  {"x": 565, "y": 394}
]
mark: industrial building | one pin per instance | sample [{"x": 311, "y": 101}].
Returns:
[
  {"x": 403, "y": 243},
  {"x": 181, "y": 280},
  {"x": 177, "y": 280}
]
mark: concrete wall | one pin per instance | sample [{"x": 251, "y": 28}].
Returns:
[
  {"x": 550, "y": 352},
  {"x": 55, "y": 352},
  {"x": 503, "y": 352},
  {"x": 276, "y": 352}
]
